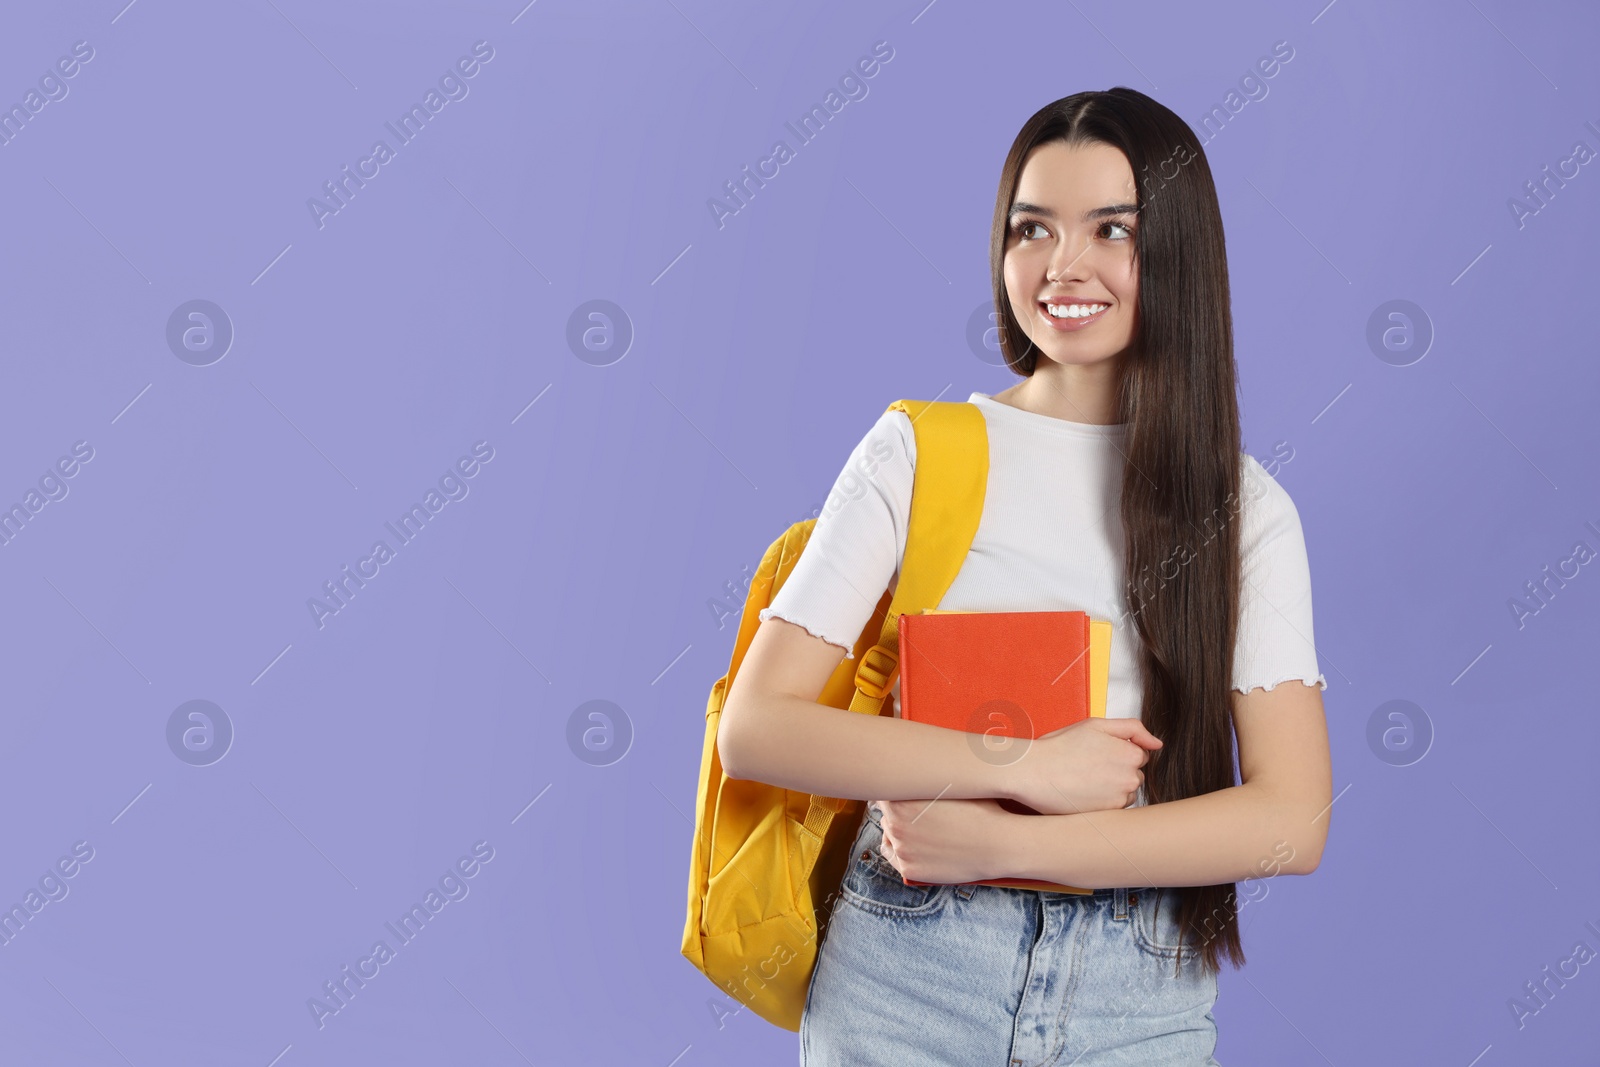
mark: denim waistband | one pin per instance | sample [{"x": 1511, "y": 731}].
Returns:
[{"x": 1120, "y": 901}]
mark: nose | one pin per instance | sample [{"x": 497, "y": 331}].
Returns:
[{"x": 1067, "y": 261}]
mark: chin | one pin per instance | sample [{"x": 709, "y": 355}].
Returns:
[{"x": 1078, "y": 358}]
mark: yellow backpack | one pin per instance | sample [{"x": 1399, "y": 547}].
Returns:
[{"x": 765, "y": 867}]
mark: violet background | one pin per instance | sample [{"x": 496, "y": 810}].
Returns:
[{"x": 434, "y": 308}]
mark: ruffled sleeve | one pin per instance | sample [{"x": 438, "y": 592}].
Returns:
[
  {"x": 1275, "y": 640},
  {"x": 858, "y": 542}
]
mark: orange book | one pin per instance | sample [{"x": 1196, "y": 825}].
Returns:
[{"x": 1018, "y": 674}]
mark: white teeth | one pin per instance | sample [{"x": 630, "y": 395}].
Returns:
[{"x": 1075, "y": 311}]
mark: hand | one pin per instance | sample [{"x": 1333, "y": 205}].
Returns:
[
  {"x": 945, "y": 841},
  {"x": 1092, "y": 765}
]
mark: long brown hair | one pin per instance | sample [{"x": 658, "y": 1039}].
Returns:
[{"x": 1181, "y": 478}]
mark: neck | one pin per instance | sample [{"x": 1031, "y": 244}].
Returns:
[{"x": 1076, "y": 393}]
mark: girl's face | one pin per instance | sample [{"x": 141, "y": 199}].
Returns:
[{"x": 1070, "y": 240}]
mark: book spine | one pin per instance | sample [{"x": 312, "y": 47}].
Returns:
[{"x": 905, "y": 638}]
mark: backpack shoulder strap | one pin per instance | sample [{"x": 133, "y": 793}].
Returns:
[{"x": 947, "y": 491}]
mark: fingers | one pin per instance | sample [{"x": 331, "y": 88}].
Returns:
[
  {"x": 1144, "y": 738},
  {"x": 1128, "y": 729}
]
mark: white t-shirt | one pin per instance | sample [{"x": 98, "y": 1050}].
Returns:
[{"x": 1049, "y": 539}]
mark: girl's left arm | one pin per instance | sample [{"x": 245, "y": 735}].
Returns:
[{"x": 1277, "y": 821}]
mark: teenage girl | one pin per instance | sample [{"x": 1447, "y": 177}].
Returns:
[{"x": 1117, "y": 486}]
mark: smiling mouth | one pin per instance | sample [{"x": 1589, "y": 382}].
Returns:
[
  {"x": 1073, "y": 311},
  {"x": 1073, "y": 316}
]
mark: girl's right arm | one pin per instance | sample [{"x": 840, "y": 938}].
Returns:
[{"x": 774, "y": 731}]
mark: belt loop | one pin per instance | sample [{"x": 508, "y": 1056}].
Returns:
[{"x": 1120, "y": 898}]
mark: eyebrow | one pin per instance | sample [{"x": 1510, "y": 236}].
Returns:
[{"x": 1022, "y": 206}]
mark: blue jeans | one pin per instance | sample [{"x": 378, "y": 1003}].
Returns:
[{"x": 984, "y": 976}]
